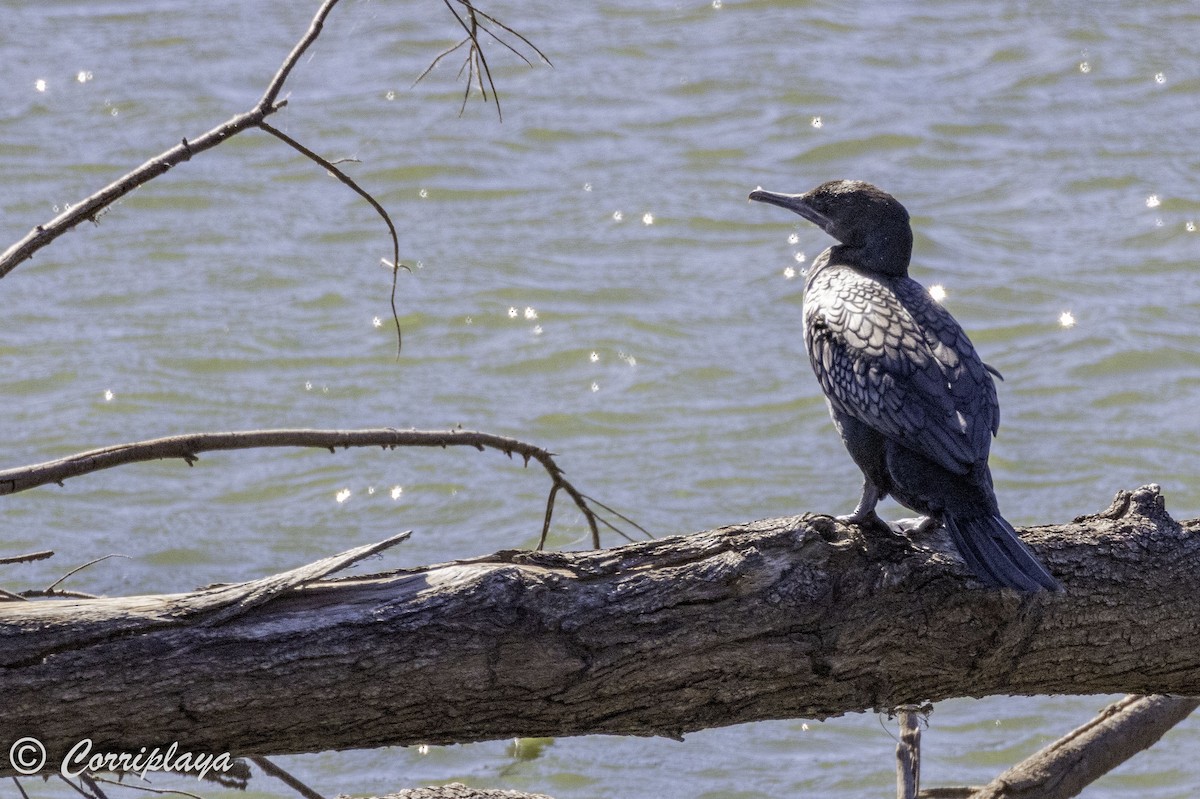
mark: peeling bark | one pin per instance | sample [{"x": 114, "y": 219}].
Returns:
[{"x": 782, "y": 618}]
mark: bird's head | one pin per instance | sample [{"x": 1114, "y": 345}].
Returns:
[{"x": 871, "y": 224}]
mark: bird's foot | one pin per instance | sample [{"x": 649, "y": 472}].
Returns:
[
  {"x": 880, "y": 539},
  {"x": 861, "y": 518},
  {"x": 917, "y": 526}
]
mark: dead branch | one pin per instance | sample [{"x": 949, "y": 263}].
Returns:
[
  {"x": 287, "y": 778},
  {"x": 88, "y": 208},
  {"x": 784, "y": 618},
  {"x": 475, "y": 63},
  {"x": 908, "y": 753},
  {"x": 91, "y": 207},
  {"x": 28, "y": 557},
  {"x": 188, "y": 447},
  {"x": 1067, "y": 766}
]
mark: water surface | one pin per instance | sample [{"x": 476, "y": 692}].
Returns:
[{"x": 589, "y": 276}]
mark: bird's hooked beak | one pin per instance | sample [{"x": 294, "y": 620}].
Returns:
[{"x": 795, "y": 203}]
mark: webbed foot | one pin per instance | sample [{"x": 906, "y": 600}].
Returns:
[
  {"x": 862, "y": 518},
  {"x": 917, "y": 526}
]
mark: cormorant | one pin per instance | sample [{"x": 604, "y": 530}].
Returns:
[{"x": 913, "y": 402}]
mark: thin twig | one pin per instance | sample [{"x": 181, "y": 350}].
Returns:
[
  {"x": 507, "y": 29},
  {"x": 50, "y": 588},
  {"x": 472, "y": 54},
  {"x": 77, "y": 788},
  {"x": 437, "y": 60},
  {"x": 549, "y": 513},
  {"x": 272, "y": 770},
  {"x": 620, "y": 516},
  {"x": 20, "y": 789},
  {"x": 476, "y": 64},
  {"x": 87, "y": 780},
  {"x": 379, "y": 209}
]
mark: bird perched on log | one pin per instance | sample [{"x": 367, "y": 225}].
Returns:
[{"x": 913, "y": 402}]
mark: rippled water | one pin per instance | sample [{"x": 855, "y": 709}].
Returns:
[{"x": 591, "y": 279}]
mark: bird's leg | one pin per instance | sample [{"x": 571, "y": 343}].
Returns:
[
  {"x": 864, "y": 512},
  {"x": 879, "y": 539}
]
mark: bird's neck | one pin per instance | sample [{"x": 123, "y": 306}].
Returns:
[{"x": 881, "y": 259}]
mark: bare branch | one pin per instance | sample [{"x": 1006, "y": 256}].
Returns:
[
  {"x": 91, "y": 207},
  {"x": 287, "y": 778},
  {"x": 20, "y": 790},
  {"x": 310, "y": 36},
  {"x": 28, "y": 557},
  {"x": 188, "y": 446},
  {"x": 1063, "y": 768},
  {"x": 87, "y": 780}
]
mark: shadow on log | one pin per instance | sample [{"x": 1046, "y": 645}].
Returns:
[{"x": 778, "y": 619}]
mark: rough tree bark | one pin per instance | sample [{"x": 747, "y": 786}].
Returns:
[{"x": 783, "y": 618}]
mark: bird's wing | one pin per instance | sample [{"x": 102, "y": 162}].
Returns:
[{"x": 890, "y": 356}]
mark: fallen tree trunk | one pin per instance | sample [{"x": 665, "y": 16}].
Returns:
[{"x": 784, "y": 618}]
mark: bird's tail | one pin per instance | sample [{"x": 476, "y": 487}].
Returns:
[{"x": 998, "y": 557}]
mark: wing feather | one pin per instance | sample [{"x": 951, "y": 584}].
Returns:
[{"x": 887, "y": 354}]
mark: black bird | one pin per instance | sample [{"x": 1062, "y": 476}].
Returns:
[{"x": 913, "y": 402}]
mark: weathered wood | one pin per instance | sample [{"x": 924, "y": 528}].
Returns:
[
  {"x": 784, "y": 618},
  {"x": 1067, "y": 766},
  {"x": 908, "y": 753}
]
